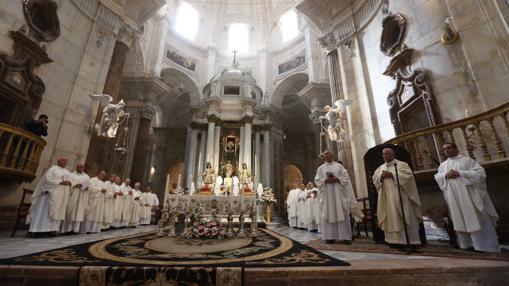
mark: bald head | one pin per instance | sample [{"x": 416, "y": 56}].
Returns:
[
  {"x": 388, "y": 154},
  {"x": 327, "y": 156},
  {"x": 79, "y": 168},
  {"x": 62, "y": 162}
]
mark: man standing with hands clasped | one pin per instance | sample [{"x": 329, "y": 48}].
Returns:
[
  {"x": 463, "y": 182},
  {"x": 337, "y": 200}
]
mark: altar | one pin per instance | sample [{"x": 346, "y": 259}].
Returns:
[{"x": 230, "y": 207}]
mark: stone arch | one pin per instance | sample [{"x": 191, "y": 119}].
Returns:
[
  {"x": 290, "y": 85},
  {"x": 180, "y": 82},
  {"x": 291, "y": 174}
]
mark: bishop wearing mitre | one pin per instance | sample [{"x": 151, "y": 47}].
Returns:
[
  {"x": 78, "y": 200},
  {"x": 389, "y": 212},
  {"x": 474, "y": 217},
  {"x": 127, "y": 208},
  {"x": 49, "y": 200}
]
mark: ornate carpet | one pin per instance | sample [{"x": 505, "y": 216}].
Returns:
[
  {"x": 434, "y": 248},
  {"x": 148, "y": 258}
]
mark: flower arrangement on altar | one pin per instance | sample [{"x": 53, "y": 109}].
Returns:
[
  {"x": 267, "y": 197},
  {"x": 204, "y": 227}
]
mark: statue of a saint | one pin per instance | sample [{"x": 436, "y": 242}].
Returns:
[
  {"x": 245, "y": 177},
  {"x": 335, "y": 116},
  {"x": 228, "y": 183},
  {"x": 228, "y": 169},
  {"x": 208, "y": 176}
]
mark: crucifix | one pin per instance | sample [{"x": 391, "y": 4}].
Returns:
[{"x": 235, "y": 52}]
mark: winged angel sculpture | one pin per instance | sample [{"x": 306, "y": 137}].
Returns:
[
  {"x": 112, "y": 115},
  {"x": 334, "y": 117}
]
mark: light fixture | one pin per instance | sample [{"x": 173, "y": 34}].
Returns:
[
  {"x": 449, "y": 36},
  {"x": 152, "y": 171}
]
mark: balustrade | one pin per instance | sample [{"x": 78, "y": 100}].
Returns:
[
  {"x": 20, "y": 152},
  {"x": 484, "y": 137}
]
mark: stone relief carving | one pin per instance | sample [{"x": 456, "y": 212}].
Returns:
[
  {"x": 42, "y": 18},
  {"x": 393, "y": 33},
  {"x": 291, "y": 64}
]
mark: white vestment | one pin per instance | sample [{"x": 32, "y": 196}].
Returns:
[
  {"x": 291, "y": 206},
  {"x": 235, "y": 190},
  {"x": 217, "y": 186},
  {"x": 137, "y": 207},
  {"x": 311, "y": 206},
  {"x": 259, "y": 190},
  {"x": 94, "y": 214},
  {"x": 338, "y": 199},
  {"x": 150, "y": 201},
  {"x": 49, "y": 201},
  {"x": 118, "y": 206},
  {"x": 78, "y": 202},
  {"x": 470, "y": 207},
  {"x": 109, "y": 204},
  {"x": 390, "y": 218},
  {"x": 127, "y": 206},
  {"x": 302, "y": 214}
]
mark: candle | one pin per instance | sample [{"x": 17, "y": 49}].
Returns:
[
  {"x": 466, "y": 113},
  {"x": 179, "y": 181}
]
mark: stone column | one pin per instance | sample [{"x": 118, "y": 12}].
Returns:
[
  {"x": 145, "y": 115},
  {"x": 241, "y": 146},
  {"x": 191, "y": 159},
  {"x": 344, "y": 148},
  {"x": 257, "y": 159},
  {"x": 247, "y": 143},
  {"x": 201, "y": 154},
  {"x": 210, "y": 141},
  {"x": 217, "y": 135},
  {"x": 99, "y": 145},
  {"x": 267, "y": 158}
]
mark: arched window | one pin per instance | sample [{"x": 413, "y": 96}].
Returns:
[
  {"x": 187, "y": 21},
  {"x": 238, "y": 37},
  {"x": 289, "y": 26}
]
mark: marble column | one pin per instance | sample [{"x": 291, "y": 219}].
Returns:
[
  {"x": 99, "y": 146},
  {"x": 191, "y": 159},
  {"x": 247, "y": 144},
  {"x": 140, "y": 162},
  {"x": 257, "y": 159},
  {"x": 267, "y": 158},
  {"x": 210, "y": 141},
  {"x": 344, "y": 149},
  {"x": 201, "y": 156},
  {"x": 241, "y": 146},
  {"x": 217, "y": 135}
]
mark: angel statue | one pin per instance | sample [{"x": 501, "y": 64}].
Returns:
[
  {"x": 112, "y": 115},
  {"x": 334, "y": 116}
]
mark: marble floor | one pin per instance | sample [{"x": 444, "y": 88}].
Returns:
[{"x": 21, "y": 245}]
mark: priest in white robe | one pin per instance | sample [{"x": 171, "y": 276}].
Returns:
[
  {"x": 389, "y": 214},
  {"x": 137, "y": 205},
  {"x": 127, "y": 207},
  {"x": 109, "y": 202},
  {"x": 302, "y": 211},
  {"x": 311, "y": 206},
  {"x": 118, "y": 204},
  {"x": 291, "y": 206},
  {"x": 94, "y": 213},
  {"x": 49, "y": 200},
  {"x": 337, "y": 195},
  {"x": 78, "y": 200},
  {"x": 474, "y": 217}
]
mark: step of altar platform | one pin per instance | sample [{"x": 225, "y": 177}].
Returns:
[{"x": 431, "y": 271}]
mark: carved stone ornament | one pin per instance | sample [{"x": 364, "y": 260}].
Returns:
[
  {"x": 400, "y": 64},
  {"x": 42, "y": 18},
  {"x": 411, "y": 92},
  {"x": 393, "y": 33}
]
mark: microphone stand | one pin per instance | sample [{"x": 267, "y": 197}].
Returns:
[{"x": 408, "y": 250}]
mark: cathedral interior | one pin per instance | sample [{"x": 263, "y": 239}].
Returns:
[{"x": 234, "y": 83}]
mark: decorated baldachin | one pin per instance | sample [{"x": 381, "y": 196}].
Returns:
[{"x": 203, "y": 212}]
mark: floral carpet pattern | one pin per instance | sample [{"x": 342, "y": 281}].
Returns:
[{"x": 149, "y": 259}]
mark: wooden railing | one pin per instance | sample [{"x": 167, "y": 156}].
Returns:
[
  {"x": 20, "y": 152},
  {"x": 484, "y": 137}
]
